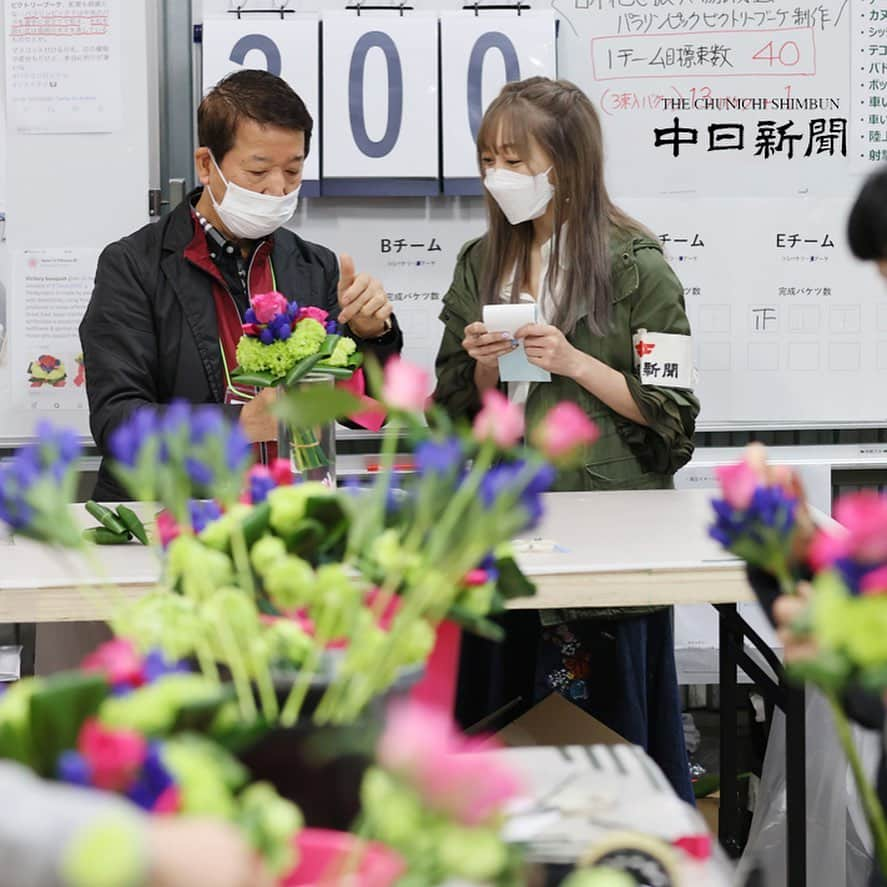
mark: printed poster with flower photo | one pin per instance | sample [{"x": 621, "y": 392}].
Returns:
[{"x": 51, "y": 290}]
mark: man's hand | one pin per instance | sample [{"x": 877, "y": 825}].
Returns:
[
  {"x": 185, "y": 852},
  {"x": 256, "y": 420},
  {"x": 363, "y": 304}
]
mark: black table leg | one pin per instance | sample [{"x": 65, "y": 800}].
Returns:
[
  {"x": 728, "y": 825},
  {"x": 26, "y": 637},
  {"x": 796, "y": 786}
]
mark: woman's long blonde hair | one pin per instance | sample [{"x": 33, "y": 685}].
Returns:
[{"x": 561, "y": 119}]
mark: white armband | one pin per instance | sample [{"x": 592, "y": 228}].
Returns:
[{"x": 664, "y": 359}]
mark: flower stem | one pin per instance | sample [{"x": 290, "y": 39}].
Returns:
[{"x": 874, "y": 812}]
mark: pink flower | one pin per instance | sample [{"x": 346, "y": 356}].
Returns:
[
  {"x": 874, "y": 582},
  {"x": 697, "y": 847},
  {"x": 564, "y": 430},
  {"x": 825, "y": 549},
  {"x": 864, "y": 516},
  {"x": 499, "y": 420},
  {"x": 738, "y": 483},
  {"x": 114, "y": 756},
  {"x": 475, "y": 577},
  {"x": 406, "y": 385},
  {"x": 282, "y": 472},
  {"x": 118, "y": 661},
  {"x": 422, "y": 746},
  {"x": 251, "y": 329},
  {"x": 268, "y": 305},
  {"x": 317, "y": 314},
  {"x": 167, "y": 528},
  {"x": 169, "y": 802}
]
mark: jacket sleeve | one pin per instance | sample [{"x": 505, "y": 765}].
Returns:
[
  {"x": 455, "y": 390},
  {"x": 386, "y": 346},
  {"x": 40, "y": 843},
  {"x": 666, "y": 443},
  {"x": 119, "y": 343}
]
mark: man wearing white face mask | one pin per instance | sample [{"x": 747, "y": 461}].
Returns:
[{"x": 166, "y": 313}]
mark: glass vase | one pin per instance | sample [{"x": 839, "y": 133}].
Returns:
[{"x": 311, "y": 450}]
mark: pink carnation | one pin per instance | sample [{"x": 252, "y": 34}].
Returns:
[
  {"x": 282, "y": 472},
  {"x": 825, "y": 549},
  {"x": 167, "y": 528},
  {"x": 476, "y": 577},
  {"x": 864, "y": 516},
  {"x": 564, "y": 430},
  {"x": 738, "y": 483},
  {"x": 268, "y": 305},
  {"x": 499, "y": 420},
  {"x": 406, "y": 385},
  {"x": 114, "y": 756},
  {"x": 874, "y": 582},
  {"x": 118, "y": 661},
  {"x": 314, "y": 313}
]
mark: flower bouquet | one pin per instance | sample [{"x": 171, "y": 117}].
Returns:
[
  {"x": 140, "y": 727},
  {"x": 282, "y": 346},
  {"x": 763, "y": 519}
]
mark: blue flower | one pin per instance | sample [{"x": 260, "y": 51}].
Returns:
[
  {"x": 206, "y": 421},
  {"x": 73, "y": 768},
  {"x": 438, "y": 457},
  {"x": 156, "y": 666},
  {"x": 259, "y": 488},
  {"x": 14, "y": 508},
  {"x": 153, "y": 780},
  {"x": 199, "y": 473},
  {"x": 770, "y": 516},
  {"x": 127, "y": 440},
  {"x": 249, "y": 316},
  {"x": 292, "y": 310},
  {"x": 502, "y": 480},
  {"x": 238, "y": 449},
  {"x": 284, "y": 331},
  {"x": 266, "y": 336},
  {"x": 332, "y": 328},
  {"x": 203, "y": 512}
]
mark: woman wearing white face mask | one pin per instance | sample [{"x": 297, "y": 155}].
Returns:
[{"x": 600, "y": 283}]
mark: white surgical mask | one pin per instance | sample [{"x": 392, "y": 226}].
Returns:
[
  {"x": 250, "y": 215},
  {"x": 520, "y": 197}
]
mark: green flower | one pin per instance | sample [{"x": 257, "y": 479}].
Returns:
[
  {"x": 345, "y": 347},
  {"x": 390, "y": 555},
  {"x": 108, "y": 853},
  {"x": 418, "y": 642},
  {"x": 154, "y": 709},
  {"x": 200, "y": 569},
  {"x": 291, "y": 583},
  {"x": 266, "y": 552},
  {"x": 288, "y": 504},
  {"x": 478, "y": 600},
  {"x": 336, "y": 600},
  {"x": 280, "y": 357},
  {"x": 288, "y": 642},
  {"x": 169, "y": 622},
  {"x": 394, "y": 813},
  {"x": 271, "y": 824},
  {"x": 599, "y": 877},
  {"x": 218, "y": 534},
  {"x": 235, "y": 610},
  {"x": 474, "y": 854},
  {"x": 206, "y": 774}
]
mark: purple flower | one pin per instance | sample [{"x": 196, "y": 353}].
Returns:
[
  {"x": 332, "y": 328},
  {"x": 284, "y": 331},
  {"x": 156, "y": 666},
  {"x": 73, "y": 768},
  {"x": 238, "y": 449},
  {"x": 14, "y": 508},
  {"x": 206, "y": 421},
  {"x": 292, "y": 310},
  {"x": 249, "y": 316},
  {"x": 199, "y": 474},
  {"x": 769, "y": 516},
  {"x": 126, "y": 440},
  {"x": 153, "y": 780},
  {"x": 438, "y": 457},
  {"x": 503, "y": 479},
  {"x": 259, "y": 487},
  {"x": 266, "y": 336},
  {"x": 203, "y": 512},
  {"x": 175, "y": 417}
]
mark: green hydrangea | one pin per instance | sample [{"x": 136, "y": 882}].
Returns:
[
  {"x": 418, "y": 642},
  {"x": 106, "y": 853},
  {"x": 200, "y": 568},
  {"x": 390, "y": 555},
  {"x": 234, "y": 609},
  {"x": 288, "y": 641},
  {"x": 218, "y": 533},
  {"x": 280, "y": 357},
  {"x": 336, "y": 600},
  {"x": 290, "y": 583},
  {"x": 345, "y": 347},
  {"x": 207, "y": 776},
  {"x": 477, "y": 855},
  {"x": 477, "y": 600},
  {"x": 153, "y": 709},
  {"x": 271, "y": 824},
  {"x": 288, "y": 503},
  {"x": 599, "y": 877},
  {"x": 266, "y": 552},
  {"x": 169, "y": 622},
  {"x": 394, "y": 812}
]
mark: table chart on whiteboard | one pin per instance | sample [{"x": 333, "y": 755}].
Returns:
[{"x": 739, "y": 133}]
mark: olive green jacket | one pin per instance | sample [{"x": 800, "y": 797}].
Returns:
[{"x": 646, "y": 294}]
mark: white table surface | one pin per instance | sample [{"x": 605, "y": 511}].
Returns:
[{"x": 592, "y": 549}]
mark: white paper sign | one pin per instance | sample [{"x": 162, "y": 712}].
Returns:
[
  {"x": 63, "y": 66},
  {"x": 288, "y": 48},
  {"x": 664, "y": 359},
  {"x": 52, "y": 288},
  {"x": 479, "y": 55},
  {"x": 380, "y": 81}
]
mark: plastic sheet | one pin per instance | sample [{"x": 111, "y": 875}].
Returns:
[{"x": 839, "y": 846}]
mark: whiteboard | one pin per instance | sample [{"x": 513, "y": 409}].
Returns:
[
  {"x": 787, "y": 104},
  {"x": 68, "y": 195}
]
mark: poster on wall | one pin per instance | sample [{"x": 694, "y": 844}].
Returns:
[
  {"x": 732, "y": 99},
  {"x": 52, "y": 287},
  {"x": 64, "y": 71},
  {"x": 289, "y": 48}
]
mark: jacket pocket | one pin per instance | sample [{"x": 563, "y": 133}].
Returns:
[{"x": 623, "y": 474}]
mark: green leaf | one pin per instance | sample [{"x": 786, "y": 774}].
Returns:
[
  {"x": 512, "y": 583},
  {"x": 133, "y": 523},
  {"x": 305, "y": 538},
  {"x": 102, "y": 536},
  {"x": 355, "y": 360},
  {"x": 335, "y": 372},
  {"x": 315, "y": 405},
  {"x": 256, "y": 522},
  {"x": 329, "y": 345},
  {"x": 58, "y": 711},
  {"x": 105, "y": 517},
  {"x": 257, "y": 380},
  {"x": 706, "y": 785},
  {"x": 301, "y": 369},
  {"x": 478, "y": 625},
  {"x": 200, "y": 714}
]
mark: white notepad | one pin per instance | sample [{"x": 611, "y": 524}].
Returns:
[{"x": 514, "y": 366}]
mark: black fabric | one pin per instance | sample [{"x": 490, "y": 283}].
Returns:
[{"x": 150, "y": 333}]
